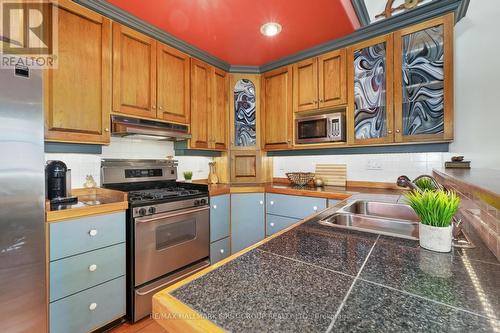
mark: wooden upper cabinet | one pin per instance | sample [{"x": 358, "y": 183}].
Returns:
[
  {"x": 332, "y": 79},
  {"x": 77, "y": 93},
  {"x": 173, "y": 100},
  {"x": 423, "y": 81},
  {"x": 278, "y": 114},
  {"x": 200, "y": 103},
  {"x": 305, "y": 85},
  {"x": 220, "y": 110},
  {"x": 134, "y": 72},
  {"x": 369, "y": 81}
]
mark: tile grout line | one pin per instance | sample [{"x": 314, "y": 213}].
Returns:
[
  {"x": 330, "y": 327},
  {"x": 426, "y": 299},
  {"x": 305, "y": 263}
]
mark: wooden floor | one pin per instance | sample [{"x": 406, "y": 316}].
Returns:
[{"x": 146, "y": 325}]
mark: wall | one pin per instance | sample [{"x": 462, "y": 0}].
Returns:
[{"x": 126, "y": 148}]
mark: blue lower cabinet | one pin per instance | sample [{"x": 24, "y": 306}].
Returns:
[
  {"x": 247, "y": 220},
  {"x": 293, "y": 206},
  {"x": 276, "y": 223},
  {"x": 76, "y": 273},
  {"x": 88, "y": 309},
  {"x": 220, "y": 250},
  {"x": 219, "y": 217},
  {"x": 332, "y": 202}
]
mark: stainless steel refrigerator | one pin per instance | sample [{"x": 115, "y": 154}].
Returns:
[{"x": 23, "y": 305}]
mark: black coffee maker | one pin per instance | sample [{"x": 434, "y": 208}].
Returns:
[{"x": 57, "y": 183}]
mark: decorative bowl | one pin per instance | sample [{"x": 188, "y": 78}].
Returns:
[{"x": 300, "y": 178}]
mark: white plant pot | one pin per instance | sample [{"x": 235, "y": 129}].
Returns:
[{"x": 435, "y": 238}]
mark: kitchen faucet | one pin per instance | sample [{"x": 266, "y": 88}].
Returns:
[{"x": 404, "y": 181}]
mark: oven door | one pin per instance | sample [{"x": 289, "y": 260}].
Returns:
[
  {"x": 168, "y": 241},
  {"x": 312, "y": 129}
]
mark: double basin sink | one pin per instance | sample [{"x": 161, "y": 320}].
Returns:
[{"x": 392, "y": 219}]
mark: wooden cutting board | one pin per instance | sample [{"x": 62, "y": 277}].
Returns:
[{"x": 332, "y": 174}]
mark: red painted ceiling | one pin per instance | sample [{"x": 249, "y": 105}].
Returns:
[{"x": 230, "y": 29}]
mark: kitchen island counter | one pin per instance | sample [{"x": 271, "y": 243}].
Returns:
[{"x": 311, "y": 277}]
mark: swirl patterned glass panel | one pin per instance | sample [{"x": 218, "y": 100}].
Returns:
[
  {"x": 423, "y": 82},
  {"x": 369, "y": 92},
  {"x": 244, "y": 113}
]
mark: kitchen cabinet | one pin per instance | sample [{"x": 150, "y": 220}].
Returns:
[
  {"x": 320, "y": 82},
  {"x": 219, "y": 250},
  {"x": 173, "y": 84},
  {"x": 219, "y": 217},
  {"x": 370, "y": 74},
  {"x": 220, "y": 110},
  {"x": 200, "y": 103},
  {"x": 278, "y": 114},
  {"x": 333, "y": 202},
  {"x": 247, "y": 220},
  {"x": 86, "y": 272},
  {"x": 134, "y": 72},
  {"x": 77, "y": 94},
  {"x": 275, "y": 223},
  {"x": 423, "y": 81}
]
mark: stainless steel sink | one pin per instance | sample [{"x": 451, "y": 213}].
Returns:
[{"x": 390, "y": 219}]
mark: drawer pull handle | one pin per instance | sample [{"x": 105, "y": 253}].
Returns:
[
  {"x": 272, "y": 224},
  {"x": 315, "y": 208},
  {"x": 214, "y": 206},
  {"x": 271, "y": 203},
  {"x": 261, "y": 202},
  {"x": 222, "y": 251},
  {"x": 92, "y": 232},
  {"x": 93, "y": 267},
  {"x": 92, "y": 306}
]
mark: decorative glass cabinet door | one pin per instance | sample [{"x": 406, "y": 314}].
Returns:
[
  {"x": 244, "y": 114},
  {"x": 423, "y": 81},
  {"x": 370, "y": 91}
]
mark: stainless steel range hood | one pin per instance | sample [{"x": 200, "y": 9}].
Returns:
[{"x": 148, "y": 129}]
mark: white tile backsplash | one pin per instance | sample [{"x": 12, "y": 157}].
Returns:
[{"x": 82, "y": 165}]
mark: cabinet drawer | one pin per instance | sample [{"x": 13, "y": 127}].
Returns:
[
  {"x": 85, "y": 234},
  {"x": 219, "y": 217},
  {"x": 74, "y": 313},
  {"x": 219, "y": 250},
  {"x": 276, "y": 223},
  {"x": 332, "y": 202},
  {"x": 76, "y": 273},
  {"x": 293, "y": 206}
]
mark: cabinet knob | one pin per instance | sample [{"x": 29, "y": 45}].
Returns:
[
  {"x": 214, "y": 206},
  {"x": 92, "y": 306},
  {"x": 271, "y": 224},
  {"x": 106, "y": 130},
  {"x": 389, "y": 131},
  {"x": 261, "y": 202},
  {"x": 221, "y": 251},
  {"x": 161, "y": 107},
  {"x": 271, "y": 202},
  {"x": 315, "y": 208},
  {"x": 153, "y": 107},
  {"x": 92, "y": 232},
  {"x": 321, "y": 100},
  {"x": 398, "y": 130},
  {"x": 93, "y": 267}
]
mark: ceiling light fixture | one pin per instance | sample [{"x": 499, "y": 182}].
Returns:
[{"x": 270, "y": 29}]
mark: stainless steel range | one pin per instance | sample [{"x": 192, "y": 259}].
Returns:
[{"x": 168, "y": 235}]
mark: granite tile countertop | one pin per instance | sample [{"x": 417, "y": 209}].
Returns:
[{"x": 315, "y": 278}]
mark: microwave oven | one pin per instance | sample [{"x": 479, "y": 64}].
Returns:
[{"x": 321, "y": 128}]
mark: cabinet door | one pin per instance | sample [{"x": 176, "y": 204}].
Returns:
[
  {"x": 278, "y": 114},
  {"x": 332, "y": 79},
  {"x": 220, "y": 109},
  {"x": 200, "y": 103},
  {"x": 134, "y": 72},
  {"x": 370, "y": 113},
  {"x": 219, "y": 217},
  {"x": 423, "y": 82},
  {"x": 172, "y": 85},
  {"x": 247, "y": 220},
  {"x": 305, "y": 85},
  {"x": 77, "y": 93}
]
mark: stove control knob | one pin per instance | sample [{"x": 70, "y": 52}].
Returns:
[
  {"x": 142, "y": 211},
  {"x": 152, "y": 210},
  {"x": 203, "y": 201},
  {"x": 197, "y": 202}
]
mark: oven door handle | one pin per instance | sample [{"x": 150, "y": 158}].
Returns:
[{"x": 168, "y": 215}]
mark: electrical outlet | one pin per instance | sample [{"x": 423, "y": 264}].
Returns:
[{"x": 373, "y": 165}]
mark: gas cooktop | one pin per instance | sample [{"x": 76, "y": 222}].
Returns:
[{"x": 162, "y": 194}]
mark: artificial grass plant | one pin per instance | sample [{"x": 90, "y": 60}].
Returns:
[
  {"x": 425, "y": 184},
  {"x": 435, "y": 208}
]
